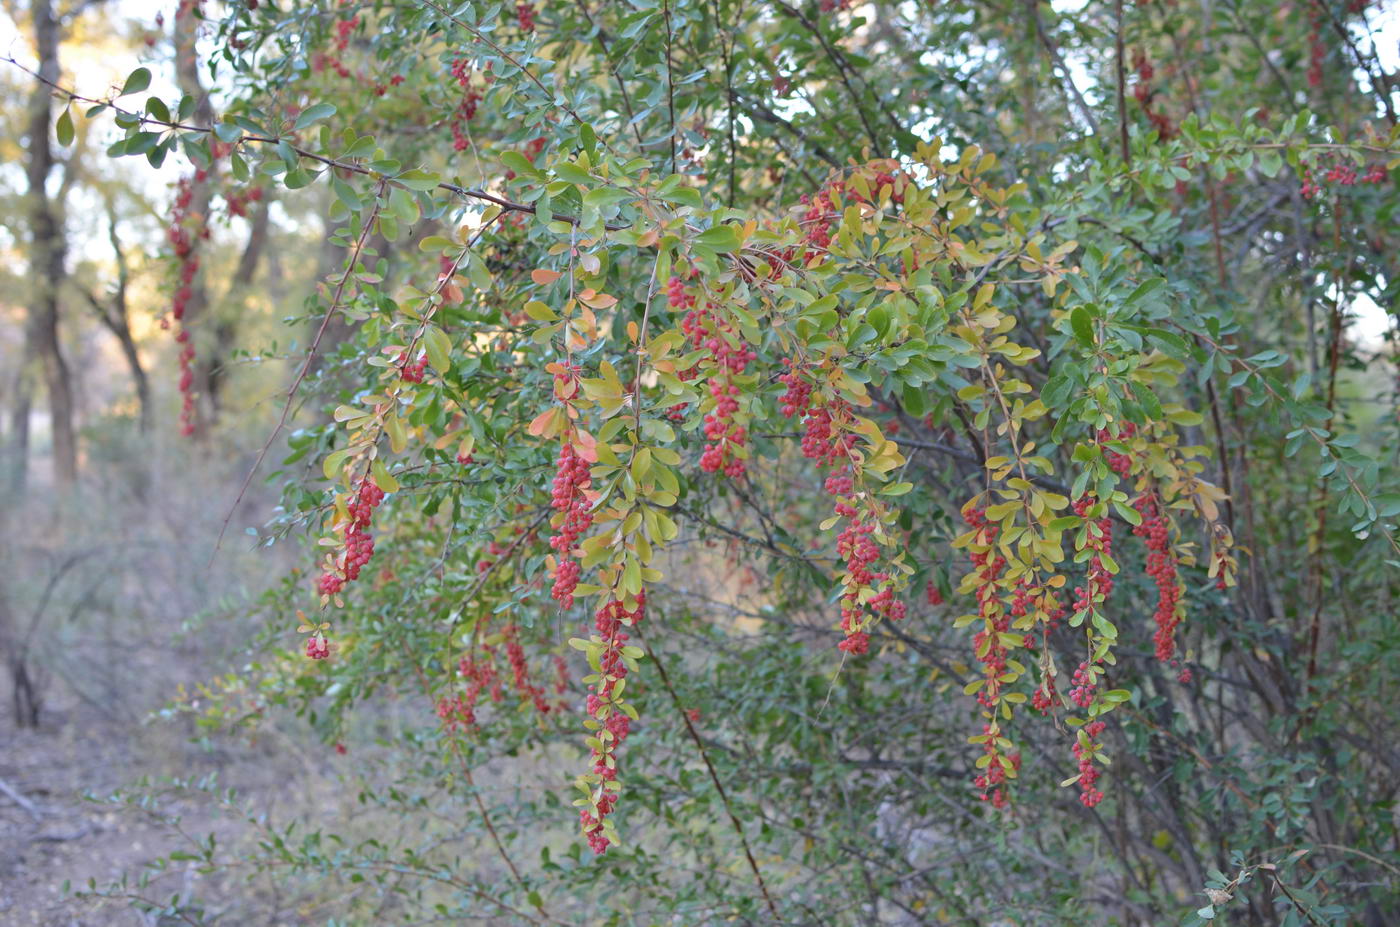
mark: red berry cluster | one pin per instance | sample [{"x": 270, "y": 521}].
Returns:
[
  {"x": 726, "y": 358},
  {"x": 359, "y": 545},
  {"x": 414, "y": 372},
  {"x": 1045, "y": 698},
  {"x": 992, "y": 781},
  {"x": 1082, "y": 693},
  {"x": 520, "y": 671},
  {"x": 466, "y": 107},
  {"x": 932, "y": 594},
  {"x": 826, "y": 441},
  {"x": 1121, "y": 464},
  {"x": 799, "y": 391},
  {"x": 820, "y": 215},
  {"x": 237, "y": 200},
  {"x": 322, "y": 60},
  {"x": 458, "y": 712},
  {"x": 525, "y": 15},
  {"x": 186, "y": 230},
  {"x": 569, "y": 499},
  {"x": 494, "y": 549},
  {"x": 607, "y": 722},
  {"x": 381, "y": 89},
  {"x": 317, "y": 647},
  {"x": 1144, "y": 94},
  {"x": 1161, "y": 566},
  {"x": 1343, "y": 173},
  {"x": 1317, "y": 49},
  {"x": 1099, "y": 539},
  {"x": 990, "y": 651},
  {"x": 858, "y": 552},
  {"x": 1088, "y": 773}
]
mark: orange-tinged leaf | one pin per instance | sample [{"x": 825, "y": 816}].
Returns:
[
  {"x": 544, "y": 277},
  {"x": 544, "y": 423},
  {"x": 585, "y": 445}
]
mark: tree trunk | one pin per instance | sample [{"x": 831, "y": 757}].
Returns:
[
  {"x": 47, "y": 252},
  {"x": 185, "y": 27},
  {"x": 17, "y": 446}
]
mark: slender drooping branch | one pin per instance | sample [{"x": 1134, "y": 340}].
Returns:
[{"x": 714, "y": 776}]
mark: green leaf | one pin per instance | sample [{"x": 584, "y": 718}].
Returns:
[
  {"x": 721, "y": 238},
  {"x": 1083, "y": 326},
  {"x": 314, "y": 114},
  {"x": 418, "y": 180},
  {"x": 439, "y": 348},
  {"x": 515, "y": 161},
  {"x": 571, "y": 172},
  {"x": 64, "y": 128},
  {"x": 137, "y": 81},
  {"x": 157, "y": 108}
]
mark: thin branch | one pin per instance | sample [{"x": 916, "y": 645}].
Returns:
[
  {"x": 305, "y": 367},
  {"x": 714, "y": 776}
]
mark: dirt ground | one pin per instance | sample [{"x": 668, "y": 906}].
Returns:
[{"x": 51, "y": 833}]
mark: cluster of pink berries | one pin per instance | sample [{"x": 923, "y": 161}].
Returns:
[
  {"x": 466, "y": 107},
  {"x": 987, "y": 643},
  {"x": 381, "y": 89},
  {"x": 1142, "y": 91},
  {"x": 412, "y": 372},
  {"x": 1121, "y": 464},
  {"x": 359, "y": 545},
  {"x": 1099, "y": 538},
  {"x": 520, "y": 671},
  {"x": 525, "y": 15},
  {"x": 571, "y": 480},
  {"x": 1088, "y": 772},
  {"x": 820, "y": 215},
  {"x": 237, "y": 200},
  {"x": 317, "y": 647},
  {"x": 992, "y": 781},
  {"x": 799, "y": 391},
  {"x": 604, "y": 710},
  {"x": 1045, "y": 698},
  {"x": 1161, "y": 566},
  {"x": 726, "y": 358},
  {"x": 1082, "y": 693},
  {"x": 331, "y": 60},
  {"x": 1317, "y": 50},
  {"x": 1343, "y": 174},
  {"x": 458, "y": 712},
  {"x": 184, "y": 242}
]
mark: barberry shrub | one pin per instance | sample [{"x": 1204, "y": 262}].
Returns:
[{"x": 941, "y": 500}]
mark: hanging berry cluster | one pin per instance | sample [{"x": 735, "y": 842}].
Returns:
[
  {"x": 722, "y": 364},
  {"x": 186, "y": 230},
  {"x": 331, "y": 60},
  {"x": 357, "y": 546},
  {"x": 829, "y": 439},
  {"x": 1161, "y": 567},
  {"x": 1145, "y": 95},
  {"x": 465, "y": 111},
  {"x": 610, "y": 716},
  {"x": 570, "y": 496}
]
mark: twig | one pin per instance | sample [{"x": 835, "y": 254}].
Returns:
[
  {"x": 14, "y": 795},
  {"x": 714, "y": 776},
  {"x": 305, "y": 367}
]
